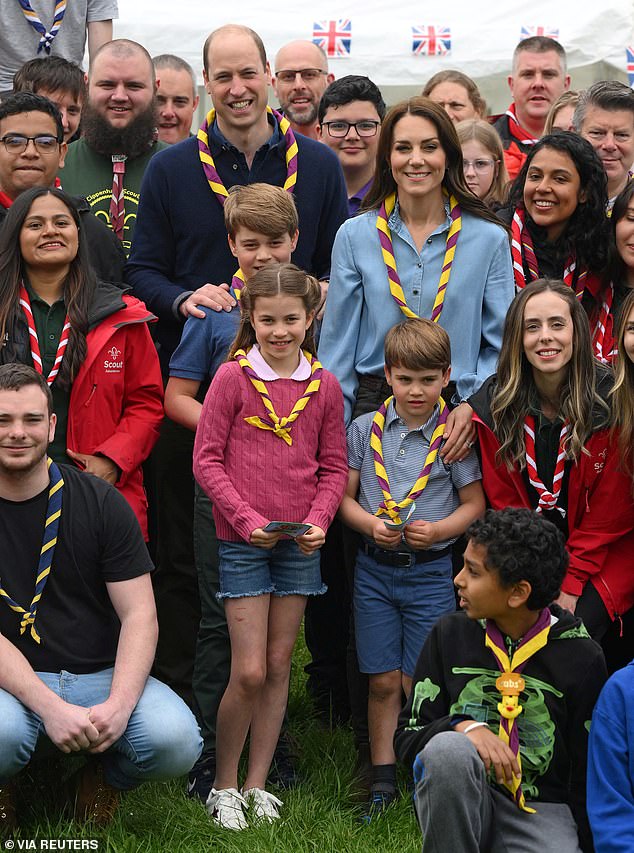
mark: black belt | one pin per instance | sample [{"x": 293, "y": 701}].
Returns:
[{"x": 403, "y": 559}]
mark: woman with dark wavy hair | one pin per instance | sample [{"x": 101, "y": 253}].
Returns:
[
  {"x": 424, "y": 247},
  {"x": 89, "y": 339},
  {"x": 557, "y": 214},
  {"x": 606, "y": 306},
  {"x": 547, "y": 443}
]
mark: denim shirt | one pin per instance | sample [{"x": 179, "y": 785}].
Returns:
[{"x": 360, "y": 309}]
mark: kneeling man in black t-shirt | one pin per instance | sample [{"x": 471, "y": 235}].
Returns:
[{"x": 78, "y": 623}]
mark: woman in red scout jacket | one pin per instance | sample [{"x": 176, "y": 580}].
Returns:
[
  {"x": 545, "y": 440},
  {"x": 91, "y": 342},
  {"x": 605, "y": 308}
]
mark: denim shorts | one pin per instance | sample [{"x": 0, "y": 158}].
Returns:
[
  {"x": 247, "y": 570},
  {"x": 396, "y": 608}
]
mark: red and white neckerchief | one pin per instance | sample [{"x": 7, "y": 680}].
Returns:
[
  {"x": 515, "y": 128},
  {"x": 25, "y": 304},
  {"x": 604, "y": 329},
  {"x": 522, "y": 250},
  {"x": 547, "y": 500},
  {"x": 117, "y": 200}
]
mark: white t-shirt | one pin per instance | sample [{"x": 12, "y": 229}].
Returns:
[{"x": 19, "y": 40}]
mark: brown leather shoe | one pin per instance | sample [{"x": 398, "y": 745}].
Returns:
[
  {"x": 8, "y": 813},
  {"x": 92, "y": 798}
]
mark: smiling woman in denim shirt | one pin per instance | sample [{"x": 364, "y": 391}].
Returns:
[{"x": 425, "y": 246}]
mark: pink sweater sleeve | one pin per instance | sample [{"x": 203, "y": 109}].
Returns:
[
  {"x": 332, "y": 457},
  {"x": 219, "y": 412}
]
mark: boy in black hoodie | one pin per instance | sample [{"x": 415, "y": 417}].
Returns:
[{"x": 497, "y": 722}]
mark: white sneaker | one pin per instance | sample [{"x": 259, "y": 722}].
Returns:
[
  {"x": 226, "y": 808},
  {"x": 265, "y": 806}
]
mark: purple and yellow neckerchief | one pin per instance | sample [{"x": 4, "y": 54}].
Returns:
[
  {"x": 47, "y": 551},
  {"x": 510, "y": 684},
  {"x": 388, "y": 505},
  {"x": 46, "y": 36},
  {"x": 215, "y": 181},
  {"x": 387, "y": 250},
  {"x": 280, "y": 426}
]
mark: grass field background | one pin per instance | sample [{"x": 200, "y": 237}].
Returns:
[{"x": 319, "y": 816}]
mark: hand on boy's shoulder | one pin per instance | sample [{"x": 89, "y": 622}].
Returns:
[
  {"x": 493, "y": 752},
  {"x": 214, "y": 296},
  {"x": 460, "y": 433}
]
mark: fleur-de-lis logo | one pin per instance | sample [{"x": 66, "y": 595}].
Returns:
[{"x": 114, "y": 353}]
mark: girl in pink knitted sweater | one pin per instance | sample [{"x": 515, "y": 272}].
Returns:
[{"x": 270, "y": 447}]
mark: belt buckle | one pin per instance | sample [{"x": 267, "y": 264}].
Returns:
[{"x": 404, "y": 559}]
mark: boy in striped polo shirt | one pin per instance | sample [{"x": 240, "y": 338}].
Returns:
[{"x": 409, "y": 507}]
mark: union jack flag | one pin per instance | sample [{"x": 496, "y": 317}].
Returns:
[
  {"x": 333, "y": 37},
  {"x": 431, "y": 41},
  {"x": 547, "y": 32},
  {"x": 629, "y": 55}
]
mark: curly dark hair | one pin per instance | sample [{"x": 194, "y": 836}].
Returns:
[
  {"x": 523, "y": 546},
  {"x": 587, "y": 232}
]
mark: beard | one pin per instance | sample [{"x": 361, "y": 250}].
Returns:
[
  {"x": 132, "y": 140},
  {"x": 304, "y": 117}
]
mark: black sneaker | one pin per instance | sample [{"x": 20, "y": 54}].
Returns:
[
  {"x": 362, "y": 774},
  {"x": 283, "y": 772},
  {"x": 201, "y": 777},
  {"x": 378, "y": 803}
]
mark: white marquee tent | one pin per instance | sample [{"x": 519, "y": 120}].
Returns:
[{"x": 476, "y": 37}]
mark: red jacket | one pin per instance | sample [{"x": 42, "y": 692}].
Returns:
[
  {"x": 116, "y": 399},
  {"x": 600, "y": 515}
]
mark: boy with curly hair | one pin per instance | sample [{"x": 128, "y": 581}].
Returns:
[{"x": 496, "y": 725}]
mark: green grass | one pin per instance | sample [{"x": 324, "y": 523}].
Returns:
[{"x": 319, "y": 816}]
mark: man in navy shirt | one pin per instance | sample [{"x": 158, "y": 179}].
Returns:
[{"x": 179, "y": 256}]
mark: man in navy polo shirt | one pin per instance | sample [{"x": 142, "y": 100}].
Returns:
[{"x": 180, "y": 253}]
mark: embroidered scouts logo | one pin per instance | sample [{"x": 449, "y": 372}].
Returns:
[
  {"x": 599, "y": 466},
  {"x": 115, "y": 363}
]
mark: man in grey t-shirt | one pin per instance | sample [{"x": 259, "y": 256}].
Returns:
[{"x": 20, "y": 40}]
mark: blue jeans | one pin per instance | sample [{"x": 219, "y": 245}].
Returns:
[
  {"x": 161, "y": 741},
  {"x": 395, "y": 609},
  {"x": 246, "y": 570}
]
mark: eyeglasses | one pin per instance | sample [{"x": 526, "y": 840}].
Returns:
[
  {"x": 479, "y": 165},
  {"x": 15, "y": 143},
  {"x": 308, "y": 75},
  {"x": 339, "y": 129}
]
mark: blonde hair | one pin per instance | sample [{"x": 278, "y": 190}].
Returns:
[
  {"x": 451, "y": 75},
  {"x": 622, "y": 394},
  {"x": 417, "y": 344},
  {"x": 566, "y": 99},
  {"x": 487, "y": 136},
  {"x": 276, "y": 280},
  {"x": 263, "y": 208}
]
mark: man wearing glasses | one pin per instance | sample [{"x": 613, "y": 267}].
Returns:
[
  {"x": 301, "y": 76},
  {"x": 32, "y": 151},
  {"x": 350, "y": 114}
]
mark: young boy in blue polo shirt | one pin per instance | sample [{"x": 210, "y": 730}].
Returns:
[
  {"x": 262, "y": 227},
  {"x": 409, "y": 506}
]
